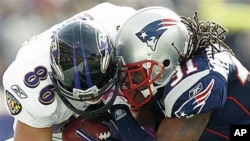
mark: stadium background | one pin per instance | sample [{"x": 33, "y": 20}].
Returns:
[{"x": 22, "y": 19}]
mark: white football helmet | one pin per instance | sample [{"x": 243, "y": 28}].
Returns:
[{"x": 148, "y": 46}]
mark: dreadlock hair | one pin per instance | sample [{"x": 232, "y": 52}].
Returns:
[{"x": 201, "y": 35}]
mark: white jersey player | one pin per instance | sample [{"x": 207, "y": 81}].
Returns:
[{"x": 62, "y": 71}]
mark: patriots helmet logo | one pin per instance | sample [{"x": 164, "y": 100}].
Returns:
[{"x": 151, "y": 33}]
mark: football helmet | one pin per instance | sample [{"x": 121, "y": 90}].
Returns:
[
  {"x": 148, "y": 45},
  {"x": 82, "y": 62}
]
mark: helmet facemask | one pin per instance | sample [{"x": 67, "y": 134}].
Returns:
[{"x": 137, "y": 81}]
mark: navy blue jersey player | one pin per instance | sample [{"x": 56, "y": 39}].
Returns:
[
  {"x": 183, "y": 65},
  {"x": 210, "y": 83}
]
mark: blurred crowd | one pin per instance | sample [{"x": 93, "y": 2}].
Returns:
[{"x": 20, "y": 20}]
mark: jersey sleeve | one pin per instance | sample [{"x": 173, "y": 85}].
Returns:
[
  {"x": 22, "y": 101},
  {"x": 29, "y": 93},
  {"x": 201, "y": 91}
]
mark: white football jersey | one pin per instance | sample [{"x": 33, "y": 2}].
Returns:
[{"x": 28, "y": 88}]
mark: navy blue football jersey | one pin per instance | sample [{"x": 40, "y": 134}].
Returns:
[{"x": 215, "y": 82}]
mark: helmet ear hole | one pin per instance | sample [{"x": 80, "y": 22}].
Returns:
[{"x": 166, "y": 63}]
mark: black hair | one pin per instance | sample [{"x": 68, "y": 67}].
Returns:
[{"x": 201, "y": 35}]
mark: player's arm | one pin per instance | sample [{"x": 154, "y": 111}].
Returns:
[
  {"x": 182, "y": 129},
  {"x": 128, "y": 127},
  {"x": 24, "y": 132}
]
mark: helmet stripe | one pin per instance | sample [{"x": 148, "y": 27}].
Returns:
[
  {"x": 88, "y": 77},
  {"x": 76, "y": 75}
]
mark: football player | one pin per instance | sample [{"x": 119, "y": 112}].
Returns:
[
  {"x": 62, "y": 72},
  {"x": 183, "y": 65}
]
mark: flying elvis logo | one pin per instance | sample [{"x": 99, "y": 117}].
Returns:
[
  {"x": 195, "y": 103},
  {"x": 151, "y": 33}
]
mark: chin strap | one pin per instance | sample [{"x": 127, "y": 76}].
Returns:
[{"x": 146, "y": 92}]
